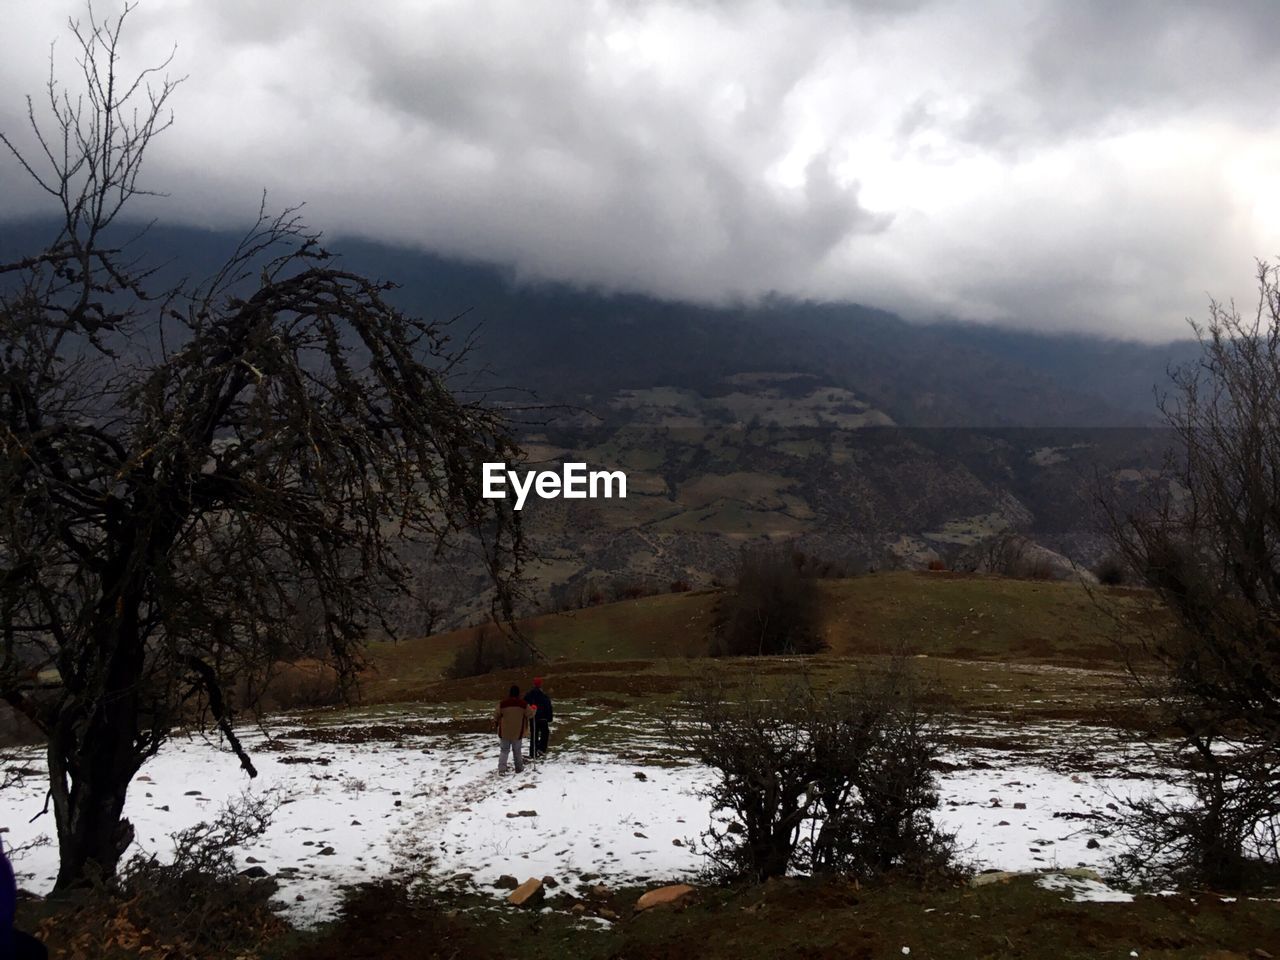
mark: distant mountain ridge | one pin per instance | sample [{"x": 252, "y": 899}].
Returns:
[
  {"x": 568, "y": 343},
  {"x": 873, "y": 442}
]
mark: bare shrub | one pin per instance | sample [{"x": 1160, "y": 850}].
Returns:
[
  {"x": 1038, "y": 568},
  {"x": 1205, "y": 541},
  {"x": 302, "y": 685},
  {"x": 197, "y": 897},
  {"x": 835, "y": 783},
  {"x": 1111, "y": 572},
  {"x": 488, "y": 649},
  {"x": 1224, "y": 834},
  {"x": 771, "y": 609}
]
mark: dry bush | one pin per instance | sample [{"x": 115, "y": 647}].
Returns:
[
  {"x": 1226, "y": 834},
  {"x": 489, "y": 648},
  {"x": 823, "y": 783},
  {"x": 193, "y": 905},
  {"x": 1111, "y": 572},
  {"x": 1037, "y": 569},
  {"x": 1204, "y": 540},
  {"x": 302, "y": 685},
  {"x": 772, "y": 608}
]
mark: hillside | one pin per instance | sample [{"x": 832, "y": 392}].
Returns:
[{"x": 971, "y": 618}]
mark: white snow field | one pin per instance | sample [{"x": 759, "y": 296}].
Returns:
[{"x": 398, "y": 790}]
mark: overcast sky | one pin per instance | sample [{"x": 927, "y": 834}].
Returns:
[{"x": 1061, "y": 164}]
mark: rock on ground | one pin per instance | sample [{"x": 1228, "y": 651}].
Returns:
[
  {"x": 527, "y": 894},
  {"x": 663, "y": 895}
]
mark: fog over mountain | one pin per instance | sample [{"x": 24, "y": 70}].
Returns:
[
  {"x": 1047, "y": 165},
  {"x": 569, "y": 344}
]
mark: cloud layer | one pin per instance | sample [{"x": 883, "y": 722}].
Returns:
[{"x": 1053, "y": 164}]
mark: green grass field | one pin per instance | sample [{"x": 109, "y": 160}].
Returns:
[{"x": 982, "y": 643}]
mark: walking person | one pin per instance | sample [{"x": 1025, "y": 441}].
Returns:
[
  {"x": 511, "y": 720},
  {"x": 538, "y": 699}
]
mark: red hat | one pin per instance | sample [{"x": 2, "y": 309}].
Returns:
[{"x": 537, "y": 681}]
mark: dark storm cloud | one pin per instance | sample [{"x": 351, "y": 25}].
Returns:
[
  {"x": 1096, "y": 66},
  {"x": 1051, "y": 164}
]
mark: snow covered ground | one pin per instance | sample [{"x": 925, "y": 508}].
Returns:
[{"x": 398, "y": 790}]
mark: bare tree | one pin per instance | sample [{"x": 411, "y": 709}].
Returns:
[
  {"x": 181, "y": 470},
  {"x": 1207, "y": 542}
]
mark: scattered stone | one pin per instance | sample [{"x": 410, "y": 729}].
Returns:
[
  {"x": 677, "y": 842},
  {"x": 607, "y": 913},
  {"x": 664, "y": 895},
  {"x": 640, "y": 835},
  {"x": 522, "y": 813},
  {"x": 640, "y": 775},
  {"x": 527, "y": 894},
  {"x": 355, "y": 823},
  {"x": 1093, "y": 843},
  {"x": 1003, "y": 823},
  {"x": 599, "y": 891},
  {"x": 578, "y": 909},
  {"x": 1019, "y": 806},
  {"x": 255, "y": 873},
  {"x": 326, "y": 852},
  {"x": 735, "y": 827},
  {"x": 193, "y": 793},
  {"x": 399, "y": 803},
  {"x": 550, "y": 882},
  {"x": 506, "y": 882}
]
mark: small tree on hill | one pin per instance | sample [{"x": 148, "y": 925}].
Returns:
[
  {"x": 772, "y": 608},
  {"x": 180, "y": 471}
]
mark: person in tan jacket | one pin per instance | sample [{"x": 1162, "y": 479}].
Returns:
[{"x": 512, "y": 723}]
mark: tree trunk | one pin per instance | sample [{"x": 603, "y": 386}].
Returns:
[
  {"x": 93, "y": 756},
  {"x": 92, "y": 831}
]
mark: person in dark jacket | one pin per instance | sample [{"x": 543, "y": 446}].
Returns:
[
  {"x": 14, "y": 943},
  {"x": 537, "y": 697}
]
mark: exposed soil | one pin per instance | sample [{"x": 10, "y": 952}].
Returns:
[{"x": 807, "y": 919}]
